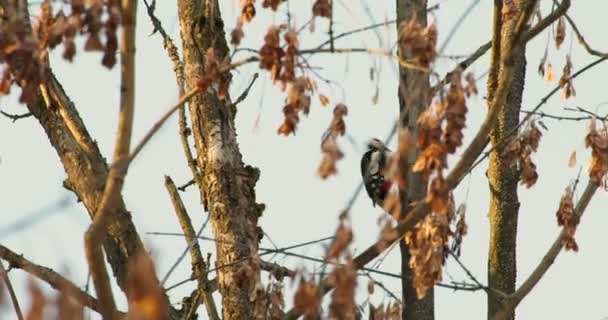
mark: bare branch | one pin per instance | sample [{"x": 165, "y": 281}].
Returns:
[
  {"x": 16, "y": 117},
  {"x": 246, "y": 92},
  {"x": 95, "y": 234},
  {"x": 582, "y": 40},
  {"x": 547, "y": 261},
  {"x": 54, "y": 279},
  {"x": 199, "y": 266},
  {"x": 547, "y": 21},
  {"x": 142, "y": 143}
]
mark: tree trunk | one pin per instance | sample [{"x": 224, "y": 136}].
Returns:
[
  {"x": 227, "y": 184},
  {"x": 414, "y": 97},
  {"x": 503, "y": 177}
]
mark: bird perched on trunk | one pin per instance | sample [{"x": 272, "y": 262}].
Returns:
[{"x": 372, "y": 167}]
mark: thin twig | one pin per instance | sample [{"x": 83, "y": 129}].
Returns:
[
  {"x": 582, "y": 40},
  {"x": 246, "y": 92},
  {"x": 183, "y": 187},
  {"x": 16, "y": 117},
  {"x": 11, "y": 291},
  {"x": 161, "y": 122}
]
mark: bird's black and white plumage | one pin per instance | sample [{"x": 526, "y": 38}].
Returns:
[{"x": 372, "y": 166}]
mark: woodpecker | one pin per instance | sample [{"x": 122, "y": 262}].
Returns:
[{"x": 372, "y": 165}]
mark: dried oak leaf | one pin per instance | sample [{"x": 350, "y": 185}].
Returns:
[
  {"x": 307, "y": 299},
  {"x": 344, "y": 280},
  {"x": 471, "y": 88},
  {"x": 322, "y": 8},
  {"x": 455, "y": 114},
  {"x": 298, "y": 100},
  {"x": 237, "y": 33},
  {"x": 567, "y": 218},
  {"x": 273, "y": 4},
  {"x": 271, "y": 53},
  {"x": 560, "y": 32},
  {"x": 269, "y": 303},
  {"x": 248, "y": 10},
  {"x": 288, "y": 73},
  {"x": 342, "y": 239},
  {"x": 565, "y": 81},
  {"x": 418, "y": 41},
  {"x": 597, "y": 140},
  {"x": 329, "y": 143},
  {"x": 520, "y": 149}
]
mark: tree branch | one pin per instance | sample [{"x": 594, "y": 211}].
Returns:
[
  {"x": 95, "y": 234},
  {"x": 199, "y": 267},
  {"x": 54, "y": 279},
  {"x": 16, "y": 117},
  {"x": 547, "y": 261},
  {"x": 470, "y": 154}
]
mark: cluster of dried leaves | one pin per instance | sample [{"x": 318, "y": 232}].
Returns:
[
  {"x": 428, "y": 244},
  {"x": 307, "y": 299},
  {"x": 565, "y": 81},
  {"x": 567, "y": 218},
  {"x": 269, "y": 302},
  {"x": 343, "y": 278},
  {"x": 24, "y": 52},
  {"x": 281, "y": 63},
  {"x": 440, "y": 134},
  {"x": 597, "y": 140},
  {"x": 322, "y": 8},
  {"x": 520, "y": 149},
  {"x": 418, "y": 41},
  {"x": 247, "y": 14},
  {"x": 392, "y": 311},
  {"x": 329, "y": 143},
  {"x": 298, "y": 101}
]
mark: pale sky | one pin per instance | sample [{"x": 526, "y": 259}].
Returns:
[{"x": 301, "y": 206}]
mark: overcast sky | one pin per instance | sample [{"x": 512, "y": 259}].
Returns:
[{"x": 301, "y": 206}]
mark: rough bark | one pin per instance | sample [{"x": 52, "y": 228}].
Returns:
[
  {"x": 87, "y": 172},
  {"x": 227, "y": 184},
  {"x": 503, "y": 176},
  {"x": 413, "y": 94}
]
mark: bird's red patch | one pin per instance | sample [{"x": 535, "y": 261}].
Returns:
[{"x": 387, "y": 185}]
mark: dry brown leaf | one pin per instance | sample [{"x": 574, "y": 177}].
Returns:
[
  {"x": 322, "y": 8},
  {"x": 560, "y": 32},
  {"x": 550, "y": 72},
  {"x": 307, "y": 299},
  {"x": 324, "y": 100},
  {"x": 572, "y": 159},
  {"x": 567, "y": 217}
]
